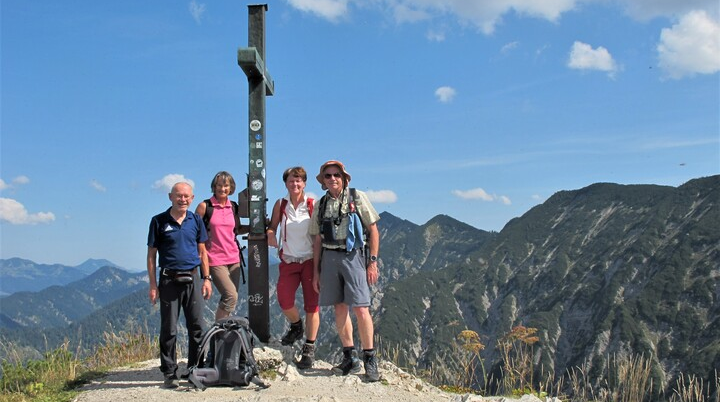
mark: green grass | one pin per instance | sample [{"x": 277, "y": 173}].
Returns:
[
  {"x": 60, "y": 373},
  {"x": 625, "y": 378}
]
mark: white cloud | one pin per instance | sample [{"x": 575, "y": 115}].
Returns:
[
  {"x": 382, "y": 196},
  {"x": 474, "y": 194},
  {"x": 664, "y": 143},
  {"x": 645, "y": 10},
  {"x": 21, "y": 180},
  {"x": 584, "y": 57},
  {"x": 197, "y": 11},
  {"x": 435, "y": 36},
  {"x": 692, "y": 46},
  {"x": 403, "y": 13},
  {"x": 509, "y": 47},
  {"x": 331, "y": 10},
  {"x": 16, "y": 181},
  {"x": 97, "y": 186},
  {"x": 445, "y": 94},
  {"x": 165, "y": 184},
  {"x": 14, "y": 212},
  {"x": 480, "y": 194},
  {"x": 485, "y": 15}
]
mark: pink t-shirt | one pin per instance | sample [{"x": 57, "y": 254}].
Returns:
[{"x": 221, "y": 246}]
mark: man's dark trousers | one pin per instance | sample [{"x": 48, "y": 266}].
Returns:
[{"x": 173, "y": 296}]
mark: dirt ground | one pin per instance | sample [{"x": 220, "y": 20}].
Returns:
[{"x": 143, "y": 382}]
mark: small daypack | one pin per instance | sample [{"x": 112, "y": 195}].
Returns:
[
  {"x": 206, "y": 219},
  {"x": 225, "y": 356}
]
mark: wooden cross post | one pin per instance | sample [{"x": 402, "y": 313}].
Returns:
[{"x": 252, "y": 62}]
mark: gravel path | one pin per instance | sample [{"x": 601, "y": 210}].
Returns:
[{"x": 143, "y": 381}]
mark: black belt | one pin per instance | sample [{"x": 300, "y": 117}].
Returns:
[{"x": 339, "y": 249}]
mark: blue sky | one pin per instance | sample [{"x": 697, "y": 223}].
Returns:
[{"x": 477, "y": 110}]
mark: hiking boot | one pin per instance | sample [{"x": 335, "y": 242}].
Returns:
[
  {"x": 294, "y": 333},
  {"x": 171, "y": 382},
  {"x": 348, "y": 364},
  {"x": 371, "y": 366},
  {"x": 307, "y": 358}
]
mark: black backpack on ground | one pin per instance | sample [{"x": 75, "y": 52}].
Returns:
[{"x": 226, "y": 357}]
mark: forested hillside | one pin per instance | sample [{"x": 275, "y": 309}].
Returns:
[{"x": 601, "y": 271}]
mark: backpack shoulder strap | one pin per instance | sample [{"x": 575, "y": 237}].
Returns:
[
  {"x": 245, "y": 337},
  {"x": 205, "y": 345},
  {"x": 352, "y": 196},
  {"x": 237, "y": 230},
  {"x": 208, "y": 213},
  {"x": 281, "y": 224},
  {"x": 310, "y": 205},
  {"x": 235, "y": 209},
  {"x": 283, "y": 205},
  {"x": 321, "y": 211}
]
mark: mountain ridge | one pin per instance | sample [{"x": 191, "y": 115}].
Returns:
[
  {"x": 602, "y": 270},
  {"x": 629, "y": 269},
  {"x": 19, "y": 274}
]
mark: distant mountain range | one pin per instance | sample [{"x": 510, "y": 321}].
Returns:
[
  {"x": 60, "y": 306},
  {"x": 20, "y": 275},
  {"x": 600, "y": 271}
]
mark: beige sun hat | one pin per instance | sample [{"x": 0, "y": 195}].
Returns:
[{"x": 340, "y": 165}]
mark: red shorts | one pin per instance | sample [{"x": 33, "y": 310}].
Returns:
[{"x": 291, "y": 276}]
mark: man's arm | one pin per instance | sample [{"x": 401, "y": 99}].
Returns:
[
  {"x": 205, "y": 271},
  {"x": 317, "y": 253},
  {"x": 373, "y": 247},
  {"x": 151, "y": 267},
  {"x": 201, "y": 209}
]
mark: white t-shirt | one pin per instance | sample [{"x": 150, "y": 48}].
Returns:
[{"x": 294, "y": 231}]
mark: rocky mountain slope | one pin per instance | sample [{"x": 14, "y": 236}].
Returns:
[{"x": 601, "y": 271}]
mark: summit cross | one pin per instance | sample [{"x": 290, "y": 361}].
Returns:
[{"x": 252, "y": 61}]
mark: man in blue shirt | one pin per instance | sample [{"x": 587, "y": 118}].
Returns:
[{"x": 178, "y": 236}]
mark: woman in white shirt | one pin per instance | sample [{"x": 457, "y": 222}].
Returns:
[{"x": 291, "y": 215}]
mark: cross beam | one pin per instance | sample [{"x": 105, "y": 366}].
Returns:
[
  {"x": 252, "y": 64},
  {"x": 260, "y": 85}
]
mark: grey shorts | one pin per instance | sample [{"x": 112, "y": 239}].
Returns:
[{"x": 343, "y": 279}]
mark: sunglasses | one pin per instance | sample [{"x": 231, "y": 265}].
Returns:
[{"x": 330, "y": 175}]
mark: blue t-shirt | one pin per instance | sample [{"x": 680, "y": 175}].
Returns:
[{"x": 177, "y": 244}]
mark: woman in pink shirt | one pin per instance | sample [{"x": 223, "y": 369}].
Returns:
[{"x": 223, "y": 249}]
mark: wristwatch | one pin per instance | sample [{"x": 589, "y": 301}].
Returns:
[
  {"x": 208, "y": 277},
  {"x": 373, "y": 258}
]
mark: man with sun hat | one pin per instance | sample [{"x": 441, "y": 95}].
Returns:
[{"x": 343, "y": 272}]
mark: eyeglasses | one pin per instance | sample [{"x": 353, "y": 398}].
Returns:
[{"x": 330, "y": 175}]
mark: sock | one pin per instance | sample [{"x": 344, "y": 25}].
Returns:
[
  {"x": 296, "y": 324},
  {"x": 347, "y": 350},
  {"x": 309, "y": 342}
]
